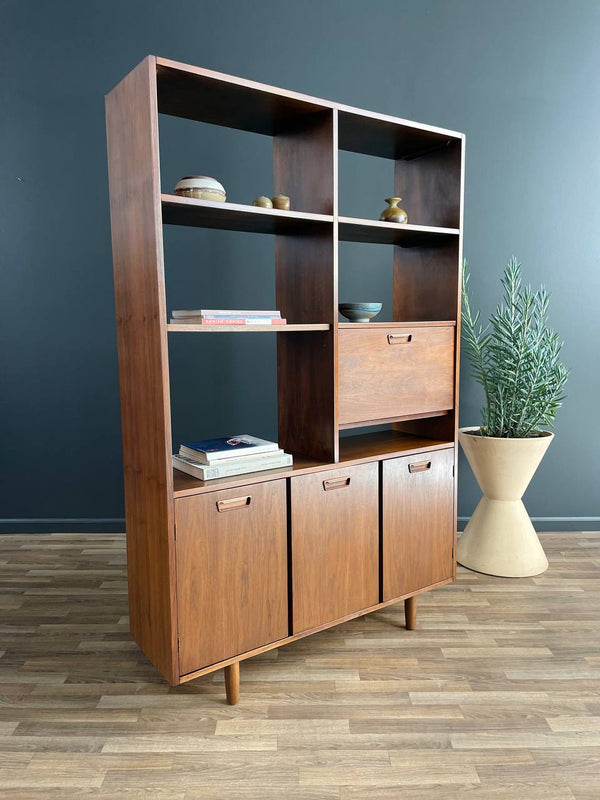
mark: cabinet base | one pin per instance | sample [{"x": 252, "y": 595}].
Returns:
[
  {"x": 190, "y": 676},
  {"x": 231, "y": 667}
]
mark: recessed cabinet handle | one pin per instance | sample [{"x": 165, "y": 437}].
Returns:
[
  {"x": 336, "y": 483},
  {"x": 419, "y": 466},
  {"x": 399, "y": 338},
  {"x": 234, "y": 502}
]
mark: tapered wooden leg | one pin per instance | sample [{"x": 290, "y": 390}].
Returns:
[
  {"x": 410, "y": 613},
  {"x": 232, "y": 683}
]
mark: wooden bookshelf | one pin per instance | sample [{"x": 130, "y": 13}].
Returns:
[{"x": 360, "y": 520}]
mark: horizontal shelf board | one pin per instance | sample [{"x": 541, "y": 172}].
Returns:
[
  {"x": 221, "y": 99},
  {"x": 353, "y": 450},
  {"x": 173, "y": 327},
  {"x": 236, "y": 217},
  {"x": 388, "y": 137},
  {"x": 369, "y": 422},
  {"x": 420, "y": 324},
  {"x": 405, "y": 235},
  {"x": 386, "y": 444}
]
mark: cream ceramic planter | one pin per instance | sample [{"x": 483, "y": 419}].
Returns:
[{"x": 499, "y": 538}]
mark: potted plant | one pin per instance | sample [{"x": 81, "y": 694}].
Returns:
[{"x": 516, "y": 360}]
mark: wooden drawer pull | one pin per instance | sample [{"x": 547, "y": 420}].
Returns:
[
  {"x": 336, "y": 483},
  {"x": 399, "y": 338},
  {"x": 235, "y": 502},
  {"x": 419, "y": 466}
]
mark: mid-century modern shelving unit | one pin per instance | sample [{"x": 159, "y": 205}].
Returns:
[{"x": 222, "y": 570}]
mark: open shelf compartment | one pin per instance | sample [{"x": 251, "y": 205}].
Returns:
[
  {"x": 194, "y": 213},
  {"x": 389, "y": 137},
  {"x": 220, "y": 99},
  {"x": 407, "y": 235},
  {"x": 303, "y": 145},
  {"x": 353, "y": 450},
  {"x": 425, "y": 170}
]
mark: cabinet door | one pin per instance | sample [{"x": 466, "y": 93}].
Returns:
[
  {"x": 411, "y": 368},
  {"x": 335, "y": 547},
  {"x": 418, "y": 522},
  {"x": 231, "y": 572}
]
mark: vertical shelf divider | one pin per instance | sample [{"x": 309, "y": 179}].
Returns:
[
  {"x": 135, "y": 205},
  {"x": 304, "y": 169},
  {"x": 427, "y": 282}
]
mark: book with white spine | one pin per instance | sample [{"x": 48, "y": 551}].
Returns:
[
  {"x": 223, "y": 312},
  {"x": 230, "y": 467},
  {"x": 207, "y": 321}
]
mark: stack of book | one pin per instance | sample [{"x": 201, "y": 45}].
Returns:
[
  {"x": 217, "y": 316},
  {"x": 234, "y": 455}
]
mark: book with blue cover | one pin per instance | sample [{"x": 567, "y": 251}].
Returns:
[{"x": 209, "y": 451}]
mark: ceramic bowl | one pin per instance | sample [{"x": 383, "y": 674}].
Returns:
[
  {"x": 359, "y": 312},
  {"x": 201, "y": 187}
]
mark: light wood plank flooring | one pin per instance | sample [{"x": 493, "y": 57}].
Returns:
[{"x": 495, "y": 695}]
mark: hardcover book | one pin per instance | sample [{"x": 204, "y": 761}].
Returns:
[
  {"x": 228, "y": 467},
  {"x": 228, "y": 321},
  {"x": 218, "y": 312},
  {"x": 209, "y": 451}
]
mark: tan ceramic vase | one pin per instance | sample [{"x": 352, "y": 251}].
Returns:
[
  {"x": 499, "y": 538},
  {"x": 393, "y": 213}
]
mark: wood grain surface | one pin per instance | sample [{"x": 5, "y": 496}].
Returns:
[
  {"x": 334, "y": 544},
  {"x": 413, "y": 371},
  {"x": 226, "y": 607},
  {"x": 140, "y": 304},
  {"x": 232, "y": 572},
  {"x": 305, "y": 279},
  {"x": 496, "y": 695},
  {"x": 426, "y": 282},
  {"x": 353, "y": 449},
  {"x": 203, "y": 94},
  {"x": 194, "y": 213},
  {"x": 417, "y": 521},
  {"x": 433, "y": 184},
  {"x": 406, "y": 235}
]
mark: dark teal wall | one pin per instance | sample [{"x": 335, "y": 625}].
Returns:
[{"x": 520, "y": 79}]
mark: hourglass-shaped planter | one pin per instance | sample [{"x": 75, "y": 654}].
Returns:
[{"x": 499, "y": 538}]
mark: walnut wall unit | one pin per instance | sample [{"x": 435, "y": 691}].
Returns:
[{"x": 222, "y": 570}]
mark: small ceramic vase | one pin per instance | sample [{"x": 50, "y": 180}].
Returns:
[
  {"x": 282, "y": 202},
  {"x": 201, "y": 187},
  {"x": 263, "y": 202},
  {"x": 393, "y": 213}
]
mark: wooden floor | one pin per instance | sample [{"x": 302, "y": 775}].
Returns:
[{"x": 495, "y": 695}]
